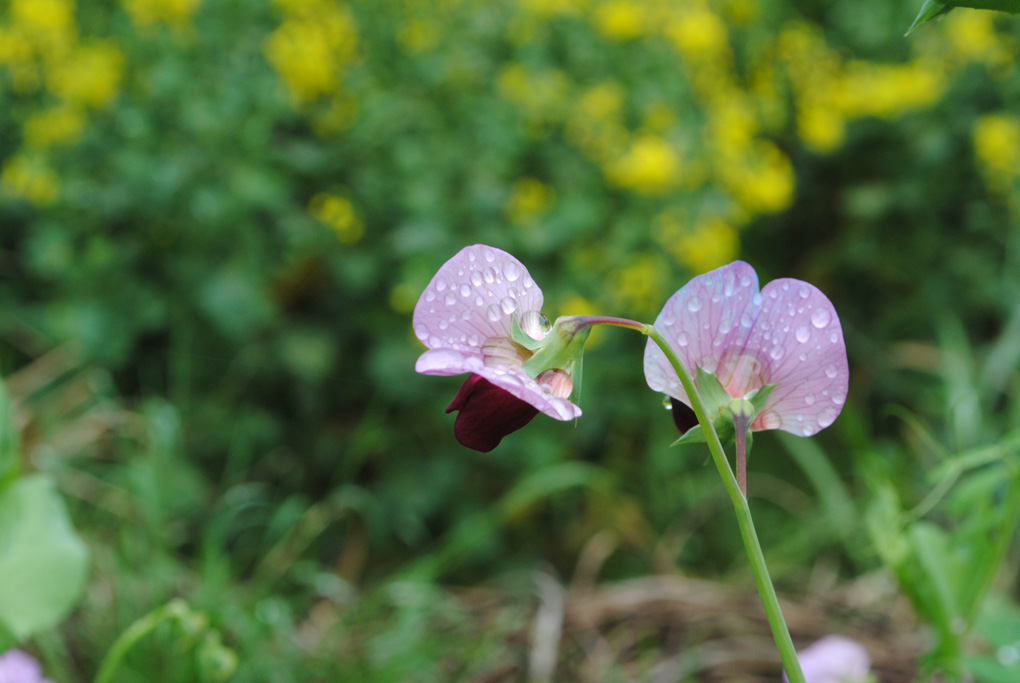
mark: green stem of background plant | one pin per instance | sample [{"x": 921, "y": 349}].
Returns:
[
  {"x": 780, "y": 632},
  {"x": 175, "y": 609}
]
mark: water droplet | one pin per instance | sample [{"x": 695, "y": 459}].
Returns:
[
  {"x": 809, "y": 399},
  {"x": 435, "y": 341},
  {"x": 777, "y": 352},
  {"x": 490, "y": 255},
  {"x": 834, "y": 337},
  {"x": 489, "y": 275},
  {"x": 725, "y": 325},
  {"x": 804, "y": 292},
  {"x": 466, "y": 314},
  {"x": 773, "y": 294},
  {"x": 667, "y": 403},
  {"x": 508, "y": 305},
  {"x": 756, "y": 299},
  {"x": 820, "y": 317},
  {"x": 709, "y": 363},
  {"x": 808, "y": 430},
  {"x": 786, "y": 287},
  {"x": 528, "y": 282},
  {"x": 430, "y": 295},
  {"x": 745, "y": 281},
  {"x": 728, "y": 285},
  {"x": 802, "y": 334},
  {"x": 830, "y": 372},
  {"x": 471, "y": 256},
  {"x": 746, "y": 320},
  {"x": 421, "y": 331},
  {"x": 460, "y": 272},
  {"x": 494, "y": 313},
  {"x": 771, "y": 421},
  {"x": 479, "y": 301},
  {"x": 667, "y": 319},
  {"x": 473, "y": 340},
  {"x": 694, "y": 304},
  {"x": 682, "y": 339},
  {"x": 511, "y": 271},
  {"x": 465, "y": 291},
  {"x": 440, "y": 284},
  {"x": 826, "y": 417},
  {"x": 443, "y": 324},
  {"x": 476, "y": 278},
  {"x": 802, "y": 356},
  {"x": 839, "y": 398}
]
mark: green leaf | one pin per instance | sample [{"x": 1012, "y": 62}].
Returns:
[
  {"x": 43, "y": 562},
  {"x": 935, "y": 8},
  {"x": 9, "y": 445},
  {"x": 693, "y": 435}
]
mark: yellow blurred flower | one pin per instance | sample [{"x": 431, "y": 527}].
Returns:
[
  {"x": 338, "y": 213},
  {"x": 403, "y": 297},
  {"x": 762, "y": 181},
  {"x": 90, "y": 76},
  {"x": 418, "y": 36},
  {"x": 650, "y": 166},
  {"x": 640, "y": 286},
  {"x": 176, "y": 13},
  {"x": 821, "y": 128},
  {"x": 972, "y": 38},
  {"x": 46, "y": 20},
  {"x": 698, "y": 34},
  {"x": 530, "y": 199},
  {"x": 311, "y": 52},
  {"x": 542, "y": 96},
  {"x": 997, "y": 148},
  {"x": 620, "y": 19},
  {"x": 59, "y": 125},
  {"x": 552, "y": 8},
  {"x": 712, "y": 243},
  {"x": 30, "y": 178}
]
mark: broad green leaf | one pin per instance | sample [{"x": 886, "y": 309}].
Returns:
[
  {"x": 9, "y": 445},
  {"x": 43, "y": 562}
]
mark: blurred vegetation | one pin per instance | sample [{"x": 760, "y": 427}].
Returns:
[{"x": 216, "y": 217}]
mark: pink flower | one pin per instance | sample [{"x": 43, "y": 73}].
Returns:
[
  {"x": 19, "y": 667},
  {"x": 788, "y": 335},
  {"x": 834, "y": 659},
  {"x": 466, "y": 318}
]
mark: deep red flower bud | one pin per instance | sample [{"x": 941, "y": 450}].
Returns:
[{"x": 487, "y": 413}]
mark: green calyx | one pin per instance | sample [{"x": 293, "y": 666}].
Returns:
[
  {"x": 726, "y": 412},
  {"x": 560, "y": 349}
]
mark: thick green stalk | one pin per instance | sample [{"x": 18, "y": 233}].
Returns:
[{"x": 780, "y": 632}]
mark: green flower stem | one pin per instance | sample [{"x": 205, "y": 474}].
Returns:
[
  {"x": 780, "y": 632},
  {"x": 175, "y": 609}
]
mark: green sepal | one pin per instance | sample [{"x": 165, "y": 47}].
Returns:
[
  {"x": 562, "y": 347},
  {"x": 936, "y": 8},
  {"x": 759, "y": 397},
  {"x": 693, "y": 435},
  {"x": 712, "y": 393},
  {"x": 523, "y": 338}
]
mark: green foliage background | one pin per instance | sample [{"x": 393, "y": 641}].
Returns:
[{"x": 229, "y": 207}]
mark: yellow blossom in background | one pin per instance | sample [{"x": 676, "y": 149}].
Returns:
[
  {"x": 552, "y": 8},
  {"x": 30, "y": 178},
  {"x": 997, "y": 148},
  {"x": 972, "y": 38},
  {"x": 49, "y": 22},
  {"x": 541, "y": 96},
  {"x": 530, "y": 199},
  {"x": 56, "y": 126},
  {"x": 698, "y": 34},
  {"x": 821, "y": 127},
  {"x": 761, "y": 181},
  {"x": 710, "y": 244},
  {"x": 403, "y": 297},
  {"x": 418, "y": 36},
  {"x": 338, "y": 213},
  {"x": 888, "y": 90},
  {"x": 575, "y": 304},
  {"x": 649, "y": 166},
  {"x": 641, "y": 285},
  {"x": 659, "y": 118},
  {"x": 310, "y": 51},
  {"x": 176, "y": 13},
  {"x": 620, "y": 19},
  {"x": 90, "y": 76}
]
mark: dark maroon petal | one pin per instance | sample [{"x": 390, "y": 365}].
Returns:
[
  {"x": 487, "y": 414},
  {"x": 683, "y": 415}
]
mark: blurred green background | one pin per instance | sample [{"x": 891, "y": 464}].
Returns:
[{"x": 216, "y": 217}]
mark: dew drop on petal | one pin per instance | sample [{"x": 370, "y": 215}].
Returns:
[
  {"x": 489, "y": 275},
  {"x": 770, "y": 421},
  {"x": 465, "y": 291},
  {"x": 479, "y": 301},
  {"x": 777, "y": 352},
  {"x": 443, "y": 324},
  {"x": 435, "y": 341},
  {"x": 440, "y": 284},
  {"x": 490, "y": 255},
  {"x": 528, "y": 282},
  {"x": 807, "y": 430},
  {"x": 809, "y": 399},
  {"x": 802, "y": 334},
  {"x": 682, "y": 339},
  {"x": 830, "y": 372},
  {"x": 473, "y": 340},
  {"x": 820, "y": 317},
  {"x": 834, "y": 337},
  {"x": 476, "y": 278},
  {"x": 756, "y": 299},
  {"x": 694, "y": 304},
  {"x": 508, "y": 305},
  {"x": 430, "y": 295},
  {"x": 802, "y": 356},
  {"x": 838, "y": 399},
  {"x": 466, "y": 314},
  {"x": 494, "y": 313},
  {"x": 746, "y": 320},
  {"x": 804, "y": 292},
  {"x": 709, "y": 363},
  {"x": 511, "y": 271},
  {"x": 745, "y": 281},
  {"x": 826, "y": 417},
  {"x": 471, "y": 256},
  {"x": 421, "y": 331}
]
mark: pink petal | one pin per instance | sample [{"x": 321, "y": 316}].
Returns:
[
  {"x": 710, "y": 314},
  {"x": 474, "y": 297},
  {"x": 509, "y": 378},
  {"x": 834, "y": 659},
  {"x": 799, "y": 341}
]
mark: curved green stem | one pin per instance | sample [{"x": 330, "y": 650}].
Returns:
[
  {"x": 174, "y": 609},
  {"x": 780, "y": 632}
]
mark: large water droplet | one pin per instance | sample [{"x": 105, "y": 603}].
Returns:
[
  {"x": 435, "y": 341},
  {"x": 465, "y": 291},
  {"x": 839, "y": 398},
  {"x": 528, "y": 282},
  {"x": 807, "y": 430},
  {"x": 831, "y": 372},
  {"x": 777, "y": 352},
  {"x": 476, "y": 278},
  {"x": 450, "y": 299},
  {"x": 511, "y": 271},
  {"x": 479, "y": 301},
  {"x": 494, "y": 313},
  {"x": 804, "y": 292},
  {"x": 826, "y": 417},
  {"x": 667, "y": 403},
  {"x": 490, "y": 255},
  {"x": 489, "y": 275},
  {"x": 745, "y": 281},
  {"x": 430, "y": 295},
  {"x": 756, "y": 299},
  {"x": 820, "y": 317},
  {"x": 770, "y": 421},
  {"x": 421, "y": 331},
  {"x": 682, "y": 339},
  {"x": 694, "y": 304},
  {"x": 471, "y": 256},
  {"x": 802, "y": 334},
  {"x": 809, "y": 399},
  {"x": 440, "y": 284},
  {"x": 746, "y": 320},
  {"x": 473, "y": 340},
  {"x": 508, "y": 305}
]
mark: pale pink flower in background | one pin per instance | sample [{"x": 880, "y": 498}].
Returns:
[
  {"x": 787, "y": 335},
  {"x": 465, "y": 317},
  {"x": 834, "y": 659},
  {"x": 18, "y": 667}
]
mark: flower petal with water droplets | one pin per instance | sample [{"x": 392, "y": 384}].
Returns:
[{"x": 472, "y": 298}]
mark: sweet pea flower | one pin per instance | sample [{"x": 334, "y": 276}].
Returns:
[
  {"x": 18, "y": 667},
  {"x": 834, "y": 659},
  {"x": 787, "y": 337},
  {"x": 482, "y": 314}
]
